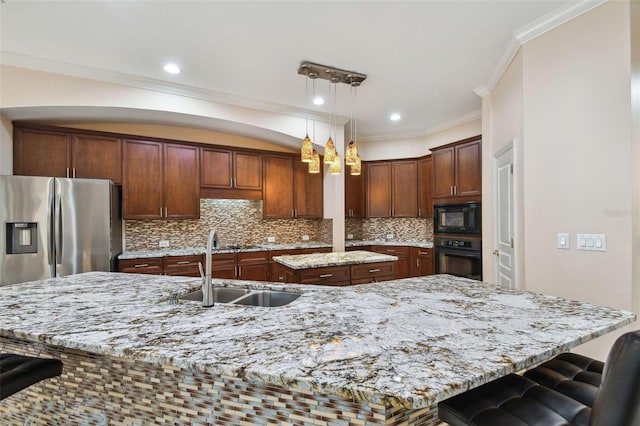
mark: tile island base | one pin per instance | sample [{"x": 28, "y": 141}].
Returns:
[{"x": 106, "y": 390}]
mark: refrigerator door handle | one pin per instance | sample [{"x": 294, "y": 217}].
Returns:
[
  {"x": 58, "y": 234},
  {"x": 50, "y": 236}
]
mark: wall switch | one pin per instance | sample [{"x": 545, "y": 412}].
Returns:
[
  {"x": 563, "y": 240},
  {"x": 591, "y": 242},
  {"x": 389, "y": 236},
  {"x": 350, "y": 237},
  {"x": 271, "y": 239},
  {"x": 164, "y": 244},
  {"x": 305, "y": 238}
]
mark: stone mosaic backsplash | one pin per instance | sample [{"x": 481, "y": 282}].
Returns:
[
  {"x": 403, "y": 229},
  {"x": 237, "y": 222}
]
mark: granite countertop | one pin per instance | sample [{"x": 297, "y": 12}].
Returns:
[
  {"x": 319, "y": 260},
  {"x": 411, "y": 342},
  {"x": 271, "y": 246}
]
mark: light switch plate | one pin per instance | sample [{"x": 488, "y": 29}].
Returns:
[
  {"x": 271, "y": 239},
  {"x": 350, "y": 237},
  {"x": 591, "y": 242},
  {"x": 164, "y": 244},
  {"x": 305, "y": 238},
  {"x": 563, "y": 240},
  {"x": 389, "y": 236}
]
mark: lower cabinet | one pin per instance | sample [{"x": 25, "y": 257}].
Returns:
[
  {"x": 251, "y": 265},
  {"x": 339, "y": 275},
  {"x": 402, "y": 252},
  {"x": 422, "y": 262},
  {"x": 372, "y": 272},
  {"x": 186, "y": 266},
  {"x": 275, "y": 274}
]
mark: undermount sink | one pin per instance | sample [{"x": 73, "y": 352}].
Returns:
[
  {"x": 241, "y": 296},
  {"x": 220, "y": 294},
  {"x": 267, "y": 298}
]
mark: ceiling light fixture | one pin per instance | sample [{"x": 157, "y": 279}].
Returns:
[
  {"x": 318, "y": 100},
  {"x": 172, "y": 69},
  {"x": 395, "y": 117},
  {"x": 306, "y": 152},
  {"x": 335, "y": 76}
]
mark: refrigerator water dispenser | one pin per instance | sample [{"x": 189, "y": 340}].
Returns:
[{"x": 22, "y": 237}]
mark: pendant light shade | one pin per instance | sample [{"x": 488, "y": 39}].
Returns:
[
  {"x": 314, "y": 164},
  {"x": 352, "y": 154},
  {"x": 330, "y": 152},
  {"x": 336, "y": 166},
  {"x": 306, "y": 152},
  {"x": 356, "y": 169}
]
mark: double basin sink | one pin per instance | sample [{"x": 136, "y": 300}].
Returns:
[{"x": 241, "y": 296}]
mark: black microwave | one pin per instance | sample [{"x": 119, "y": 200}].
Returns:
[{"x": 457, "y": 219}]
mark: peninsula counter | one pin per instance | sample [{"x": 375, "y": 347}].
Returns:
[{"x": 371, "y": 354}]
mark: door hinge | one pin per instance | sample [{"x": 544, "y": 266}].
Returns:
[
  {"x": 511, "y": 167},
  {"x": 512, "y": 243}
]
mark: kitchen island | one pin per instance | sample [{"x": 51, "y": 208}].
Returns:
[{"x": 381, "y": 353}]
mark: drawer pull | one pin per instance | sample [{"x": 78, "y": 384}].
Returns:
[
  {"x": 391, "y": 251},
  {"x": 141, "y": 265},
  {"x": 424, "y": 252},
  {"x": 326, "y": 275},
  {"x": 183, "y": 262},
  {"x": 371, "y": 271}
]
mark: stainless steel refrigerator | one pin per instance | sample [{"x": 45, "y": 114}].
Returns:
[{"x": 53, "y": 227}]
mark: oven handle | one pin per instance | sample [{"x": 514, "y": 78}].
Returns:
[{"x": 462, "y": 253}]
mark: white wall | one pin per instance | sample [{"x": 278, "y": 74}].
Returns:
[{"x": 573, "y": 87}]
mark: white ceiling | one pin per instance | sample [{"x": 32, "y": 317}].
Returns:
[{"x": 423, "y": 59}]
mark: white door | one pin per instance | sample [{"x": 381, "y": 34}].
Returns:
[{"x": 503, "y": 226}]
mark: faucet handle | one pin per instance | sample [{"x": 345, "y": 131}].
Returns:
[{"x": 201, "y": 270}]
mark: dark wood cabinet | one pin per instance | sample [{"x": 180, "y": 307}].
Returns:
[
  {"x": 223, "y": 265},
  {"x": 275, "y": 274},
  {"x": 457, "y": 170},
  {"x": 160, "y": 181},
  {"x": 392, "y": 189},
  {"x": 354, "y": 194},
  {"x": 150, "y": 265},
  {"x": 372, "y": 272},
  {"x": 253, "y": 265},
  {"x": 402, "y": 268},
  {"x": 44, "y": 152},
  {"x": 185, "y": 266},
  {"x": 228, "y": 173},
  {"x": 422, "y": 261},
  {"x": 425, "y": 187},
  {"x": 289, "y": 190}
]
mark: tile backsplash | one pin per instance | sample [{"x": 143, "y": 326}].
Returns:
[
  {"x": 403, "y": 229},
  {"x": 236, "y": 222}
]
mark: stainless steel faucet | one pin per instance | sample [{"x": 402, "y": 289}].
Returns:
[{"x": 207, "y": 288}]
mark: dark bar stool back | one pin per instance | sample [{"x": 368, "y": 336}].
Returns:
[{"x": 18, "y": 372}]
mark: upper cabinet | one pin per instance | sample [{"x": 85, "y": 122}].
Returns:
[
  {"x": 161, "y": 181},
  {"x": 289, "y": 189},
  {"x": 425, "y": 187},
  {"x": 354, "y": 194},
  {"x": 44, "y": 152},
  {"x": 229, "y": 173},
  {"x": 392, "y": 188},
  {"x": 457, "y": 170}
]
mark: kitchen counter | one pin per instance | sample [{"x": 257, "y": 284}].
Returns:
[
  {"x": 386, "y": 347},
  {"x": 320, "y": 260}
]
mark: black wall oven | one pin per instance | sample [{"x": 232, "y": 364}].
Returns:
[
  {"x": 458, "y": 219},
  {"x": 459, "y": 256}
]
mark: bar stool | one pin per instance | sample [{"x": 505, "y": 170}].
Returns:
[
  {"x": 18, "y": 372},
  {"x": 518, "y": 401}
]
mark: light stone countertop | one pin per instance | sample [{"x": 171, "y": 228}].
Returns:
[
  {"x": 320, "y": 260},
  {"x": 411, "y": 342}
]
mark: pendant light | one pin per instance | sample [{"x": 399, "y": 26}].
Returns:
[
  {"x": 356, "y": 169},
  {"x": 330, "y": 147},
  {"x": 306, "y": 152},
  {"x": 351, "y": 157},
  {"x": 314, "y": 164}
]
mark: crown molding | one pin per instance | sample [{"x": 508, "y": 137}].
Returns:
[
  {"x": 474, "y": 115},
  {"x": 114, "y": 77},
  {"x": 530, "y": 31}
]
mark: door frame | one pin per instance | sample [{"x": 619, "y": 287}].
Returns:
[{"x": 511, "y": 146}]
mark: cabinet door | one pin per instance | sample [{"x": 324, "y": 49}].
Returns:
[
  {"x": 223, "y": 265},
  {"x": 468, "y": 169},
  {"x": 142, "y": 192},
  {"x": 307, "y": 191},
  {"x": 278, "y": 187},
  {"x": 96, "y": 157},
  {"x": 253, "y": 272},
  {"x": 425, "y": 187},
  {"x": 421, "y": 261},
  {"x": 41, "y": 153},
  {"x": 247, "y": 169},
  {"x": 181, "y": 182},
  {"x": 217, "y": 168},
  {"x": 378, "y": 189},
  {"x": 354, "y": 195},
  {"x": 443, "y": 172},
  {"x": 404, "y": 188}
]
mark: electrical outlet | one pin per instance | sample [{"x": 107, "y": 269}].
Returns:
[
  {"x": 389, "y": 236},
  {"x": 305, "y": 238},
  {"x": 164, "y": 244},
  {"x": 271, "y": 239},
  {"x": 350, "y": 237}
]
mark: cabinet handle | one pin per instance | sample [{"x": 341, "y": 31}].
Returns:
[
  {"x": 74, "y": 172},
  {"x": 239, "y": 271},
  {"x": 419, "y": 212},
  {"x": 451, "y": 190},
  {"x": 391, "y": 251},
  {"x": 141, "y": 265},
  {"x": 161, "y": 212},
  {"x": 280, "y": 278},
  {"x": 166, "y": 214},
  {"x": 183, "y": 262},
  {"x": 417, "y": 263},
  {"x": 67, "y": 172},
  {"x": 325, "y": 275},
  {"x": 293, "y": 213},
  {"x": 371, "y": 271}
]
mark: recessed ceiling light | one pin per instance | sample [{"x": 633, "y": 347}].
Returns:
[
  {"x": 172, "y": 69},
  {"x": 318, "y": 100},
  {"x": 394, "y": 117}
]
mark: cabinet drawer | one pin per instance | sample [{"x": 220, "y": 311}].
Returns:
[
  {"x": 328, "y": 275},
  {"x": 314, "y": 250},
  {"x": 372, "y": 270},
  {"x": 370, "y": 280},
  {"x": 253, "y": 257},
  {"x": 171, "y": 262},
  {"x": 400, "y": 251},
  {"x": 223, "y": 260},
  {"x": 425, "y": 253},
  {"x": 150, "y": 265}
]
